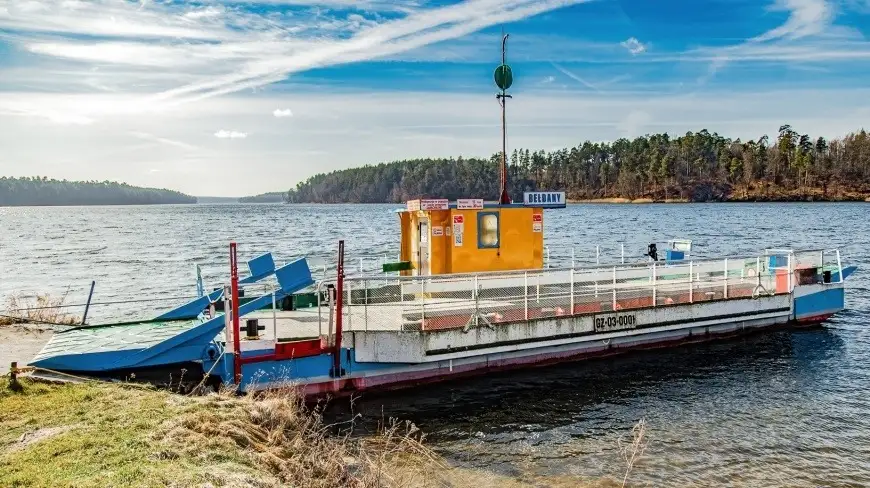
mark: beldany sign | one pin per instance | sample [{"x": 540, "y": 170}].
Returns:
[{"x": 544, "y": 199}]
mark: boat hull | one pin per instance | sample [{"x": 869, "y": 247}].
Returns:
[{"x": 369, "y": 377}]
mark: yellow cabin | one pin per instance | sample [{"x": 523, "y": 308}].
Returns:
[{"x": 443, "y": 237}]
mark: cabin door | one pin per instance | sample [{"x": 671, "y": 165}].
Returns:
[{"x": 424, "y": 247}]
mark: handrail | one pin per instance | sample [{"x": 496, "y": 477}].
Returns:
[{"x": 627, "y": 266}]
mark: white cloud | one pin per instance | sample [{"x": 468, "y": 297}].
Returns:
[
  {"x": 230, "y": 134},
  {"x": 282, "y": 112},
  {"x": 205, "y": 13},
  {"x": 414, "y": 31},
  {"x": 806, "y": 18},
  {"x": 380, "y": 127},
  {"x": 163, "y": 140},
  {"x": 633, "y": 45},
  {"x": 574, "y": 77}
]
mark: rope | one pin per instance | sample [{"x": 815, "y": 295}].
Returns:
[{"x": 207, "y": 374}]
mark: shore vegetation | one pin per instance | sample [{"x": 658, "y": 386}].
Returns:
[{"x": 697, "y": 166}]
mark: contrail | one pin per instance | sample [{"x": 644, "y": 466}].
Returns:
[{"x": 417, "y": 30}]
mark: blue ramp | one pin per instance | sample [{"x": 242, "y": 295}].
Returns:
[{"x": 154, "y": 342}]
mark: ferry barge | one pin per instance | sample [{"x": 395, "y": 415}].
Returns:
[{"x": 470, "y": 294}]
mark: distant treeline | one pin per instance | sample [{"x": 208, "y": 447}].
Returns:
[
  {"x": 273, "y": 197},
  {"x": 39, "y": 190},
  {"x": 699, "y": 166}
]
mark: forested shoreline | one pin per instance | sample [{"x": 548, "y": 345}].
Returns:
[
  {"x": 700, "y": 166},
  {"x": 41, "y": 191},
  {"x": 271, "y": 197}
]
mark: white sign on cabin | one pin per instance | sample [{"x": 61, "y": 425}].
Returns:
[
  {"x": 544, "y": 199},
  {"x": 435, "y": 204},
  {"x": 469, "y": 203}
]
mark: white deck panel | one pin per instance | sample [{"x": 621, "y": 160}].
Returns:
[{"x": 304, "y": 323}]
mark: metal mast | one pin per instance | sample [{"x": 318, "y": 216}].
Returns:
[{"x": 503, "y": 79}]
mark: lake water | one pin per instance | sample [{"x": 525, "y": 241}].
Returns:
[{"x": 778, "y": 409}]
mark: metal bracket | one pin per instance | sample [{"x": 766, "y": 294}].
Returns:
[{"x": 477, "y": 315}]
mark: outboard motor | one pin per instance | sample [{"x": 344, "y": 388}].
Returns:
[{"x": 653, "y": 252}]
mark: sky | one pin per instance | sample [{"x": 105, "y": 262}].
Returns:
[{"x": 238, "y": 97}]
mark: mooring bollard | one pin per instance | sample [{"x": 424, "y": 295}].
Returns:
[{"x": 13, "y": 377}]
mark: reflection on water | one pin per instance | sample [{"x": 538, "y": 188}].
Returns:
[
  {"x": 775, "y": 409},
  {"x": 745, "y": 409}
]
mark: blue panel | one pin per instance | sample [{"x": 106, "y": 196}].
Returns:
[
  {"x": 260, "y": 267},
  {"x": 294, "y": 276},
  {"x": 778, "y": 261},
  {"x": 186, "y": 346},
  {"x": 191, "y": 309},
  {"x": 828, "y": 301},
  {"x": 847, "y": 271},
  {"x": 290, "y": 370},
  {"x": 673, "y": 255},
  {"x": 302, "y": 370},
  {"x": 150, "y": 344}
]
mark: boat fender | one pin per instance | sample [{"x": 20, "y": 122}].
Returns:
[
  {"x": 669, "y": 301},
  {"x": 211, "y": 352},
  {"x": 750, "y": 272}
]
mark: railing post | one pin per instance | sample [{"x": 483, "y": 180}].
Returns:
[
  {"x": 330, "y": 300},
  {"x": 758, "y": 271},
  {"x": 655, "y": 298},
  {"x": 423, "y": 305},
  {"x": 572, "y": 257},
  {"x": 622, "y": 252},
  {"x": 349, "y": 303},
  {"x": 725, "y": 278},
  {"x": 789, "y": 263},
  {"x": 614, "y": 288},
  {"x": 840, "y": 265},
  {"x": 88, "y": 305},
  {"x": 691, "y": 282},
  {"x": 366, "y": 305},
  {"x": 526, "y": 293},
  {"x": 597, "y": 254},
  {"x": 572, "y": 292},
  {"x": 274, "y": 317}
]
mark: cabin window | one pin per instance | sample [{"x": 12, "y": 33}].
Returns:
[{"x": 487, "y": 230}]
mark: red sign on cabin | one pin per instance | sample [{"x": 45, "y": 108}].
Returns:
[
  {"x": 537, "y": 218},
  {"x": 458, "y": 219}
]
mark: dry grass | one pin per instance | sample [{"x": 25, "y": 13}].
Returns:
[
  {"x": 119, "y": 435},
  {"x": 633, "y": 450},
  {"x": 42, "y": 309}
]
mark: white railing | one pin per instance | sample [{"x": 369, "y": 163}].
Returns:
[{"x": 466, "y": 301}]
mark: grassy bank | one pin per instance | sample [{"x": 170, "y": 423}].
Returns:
[{"x": 99, "y": 434}]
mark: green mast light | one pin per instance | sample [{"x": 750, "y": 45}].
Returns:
[{"x": 504, "y": 77}]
